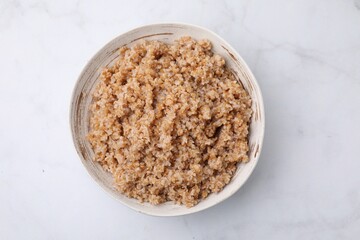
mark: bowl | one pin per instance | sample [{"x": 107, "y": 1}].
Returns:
[{"x": 82, "y": 98}]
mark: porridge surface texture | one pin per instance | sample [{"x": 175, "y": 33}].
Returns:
[{"x": 170, "y": 122}]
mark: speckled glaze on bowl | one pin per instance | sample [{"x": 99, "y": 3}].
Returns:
[{"x": 81, "y": 99}]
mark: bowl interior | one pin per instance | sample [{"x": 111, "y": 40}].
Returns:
[{"x": 82, "y": 97}]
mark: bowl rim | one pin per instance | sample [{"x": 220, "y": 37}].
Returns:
[{"x": 259, "y": 99}]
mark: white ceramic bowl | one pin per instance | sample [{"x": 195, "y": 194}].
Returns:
[{"x": 81, "y": 99}]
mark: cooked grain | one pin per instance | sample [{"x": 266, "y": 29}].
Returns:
[{"x": 170, "y": 122}]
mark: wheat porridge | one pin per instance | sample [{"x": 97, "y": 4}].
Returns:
[{"x": 170, "y": 122}]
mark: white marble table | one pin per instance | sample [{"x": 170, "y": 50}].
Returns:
[{"x": 306, "y": 57}]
